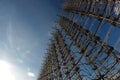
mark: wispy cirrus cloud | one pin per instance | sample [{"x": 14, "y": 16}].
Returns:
[{"x": 10, "y": 34}]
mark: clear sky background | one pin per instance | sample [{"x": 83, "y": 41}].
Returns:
[{"x": 25, "y": 27}]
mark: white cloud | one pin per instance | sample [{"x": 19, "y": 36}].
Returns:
[{"x": 31, "y": 74}]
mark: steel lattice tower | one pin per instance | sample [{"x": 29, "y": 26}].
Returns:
[{"x": 86, "y": 42}]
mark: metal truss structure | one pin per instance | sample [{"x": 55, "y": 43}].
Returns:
[{"x": 86, "y": 43}]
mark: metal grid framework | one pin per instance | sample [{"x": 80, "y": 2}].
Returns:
[{"x": 85, "y": 44}]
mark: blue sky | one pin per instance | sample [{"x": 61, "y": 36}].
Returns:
[{"x": 25, "y": 27}]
